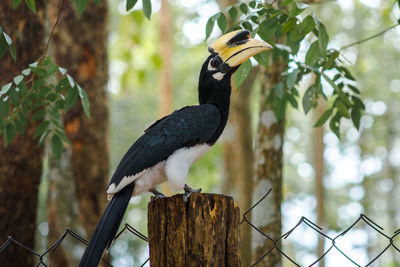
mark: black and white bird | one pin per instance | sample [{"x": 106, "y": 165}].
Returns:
[{"x": 172, "y": 144}]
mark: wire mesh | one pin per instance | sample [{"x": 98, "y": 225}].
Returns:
[{"x": 276, "y": 242}]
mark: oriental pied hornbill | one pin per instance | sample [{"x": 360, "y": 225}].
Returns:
[{"x": 172, "y": 144}]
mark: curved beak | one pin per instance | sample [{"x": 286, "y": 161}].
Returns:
[{"x": 238, "y": 52}]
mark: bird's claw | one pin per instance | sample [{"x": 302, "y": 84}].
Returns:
[
  {"x": 188, "y": 192},
  {"x": 157, "y": 194}
]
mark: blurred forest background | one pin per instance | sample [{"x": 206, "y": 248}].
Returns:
[{"x": 153, "y": 67}]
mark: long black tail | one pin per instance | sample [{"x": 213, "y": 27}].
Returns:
[{"x": 107, "y": 227}]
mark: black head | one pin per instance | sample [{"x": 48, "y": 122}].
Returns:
[{"x": 227, "y": 53}]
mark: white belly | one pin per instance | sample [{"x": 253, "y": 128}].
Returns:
[{"x": 174, "y": 169}]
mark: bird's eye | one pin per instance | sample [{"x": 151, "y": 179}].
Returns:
[{"x": 214, "y": 63}]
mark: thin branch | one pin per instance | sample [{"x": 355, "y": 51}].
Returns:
[
  {"x": 51, "y": 33},
  {"x": 369, "y": 38}
]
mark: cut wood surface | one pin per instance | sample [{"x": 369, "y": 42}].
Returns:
[{"x": 202, "y": 232}]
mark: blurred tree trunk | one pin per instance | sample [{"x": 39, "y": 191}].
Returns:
[
  {"x": 80, "y": 45},
  {"x": 166, "y": 92},
  {"x": 268, "y": 171},
  {"x": 21, "y": 161},
  {"x": 238, "y": 158},
  {"x": 166, "y": 53},
  {"x": 319, "y": 178},
  {"x": 238, "y": 151}
]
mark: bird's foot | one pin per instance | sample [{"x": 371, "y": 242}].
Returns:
[
  {"x": 157, "y": 194},
  {"x": 188, "y": 192}
]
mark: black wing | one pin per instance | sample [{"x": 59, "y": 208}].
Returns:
[{"x": 186, "y": 127}]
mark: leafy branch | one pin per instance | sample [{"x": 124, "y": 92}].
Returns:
[
  {"x": 273, "y": 24},
  {"x": 40, "y": 94}
]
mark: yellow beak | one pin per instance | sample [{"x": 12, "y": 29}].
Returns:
[
  {"x": 228, "y": 39},
  {"x": 237, "y": 53}
]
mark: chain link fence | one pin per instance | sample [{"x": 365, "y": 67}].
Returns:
[{"x": 276, "y": 243}]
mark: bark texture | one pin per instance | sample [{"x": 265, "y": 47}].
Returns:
[
  {"x": 21, "y": 161},
  {"x": 268, "y": 172},
  {"x": 203, "y": 232},
  {"x": 80, "y": 45}
]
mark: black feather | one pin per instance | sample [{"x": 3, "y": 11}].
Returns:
[{"x": 107, "y": 227}]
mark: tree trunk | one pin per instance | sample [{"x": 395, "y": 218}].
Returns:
[
  {"x": 166, "y": 92},
  {"x": 21, "y": 161},
  {"x": 203, "y": 232},
  {"x": 319, "y": 181},
  {"x": 80, "y": 45},
  {"x": 268, "y": 172},
  {"x": 62, "y": 209},
  {"x": 238, "y": 151},
  {"x": 238, "y": 157}
]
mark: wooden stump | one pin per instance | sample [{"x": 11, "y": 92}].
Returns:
[{"x": 203, "y": 232}]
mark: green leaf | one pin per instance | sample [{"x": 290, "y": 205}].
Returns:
[
  {"x": 343, "y": 109},
  {"x": 70, "y": 98},
  {"x": 84, "y": 100},
  {"x": 279, "y": 92},
  {"x": 233, "y": 13},
  {"x": 291, "y": 79},
  {"x": 9, "y": 133},
  {"x": 13, "y": 52},
  {"x": 309, "y": 98},
  {"x": 241, "y": 73},
  {"x": 243, "y": 7},
  {"x": 262, "y": 58},
  {"x": 130, "y": 4},
  {"x": 323, "y": 39},
  {"x": 222, "y": 22},
  {"x": 56, "y": 146},
  {"x": 26, "y": 72},
  {"x": 31, "y": 5},
  {"x": 19, "y": 126},
  {"x": 312, "y": 55},
  {"x": 210, "y": 26},
  {"x": 301, "y": 30},
  {"x": 331, "y": 60},
  {"x": 247, "y": 26},
  {"x": 354, "y": 89},
  {"x": 41, "y": 128},
  {"x": 62, "y": 85},
  {"x": 279, "y": 108},
  {"x": 356, "y": 117},
  {"x": 286, "y": 2},
  {"x": 4, "y": 108},
  {"x": 292, "y": 100},
  {"x": 8, "y": 38},
  {"x": 3, "y": 45},
  {"x": 289, "y": 25},
  {"x": 43, "y": 137},
  {"x": 324, "y": 117},
  {"x": 146, "y": 8},
  {"x": 18, "y": 79},
  {"x": 71, "y": 80},
  {"x": 39, "y": 115},
  {"x": 81, "y": 6},
  {"x": 334, "y": 124},
  {"x": 267, "y": 29},
  {"x": 97, "y": 2},
  {"x": 15, "y": 3},
  {"x": 5, "y": 88}
]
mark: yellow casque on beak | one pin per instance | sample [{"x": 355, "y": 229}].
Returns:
[
  {"x": 236, "y": 54},
  {"x": 228, "y": 39}
]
